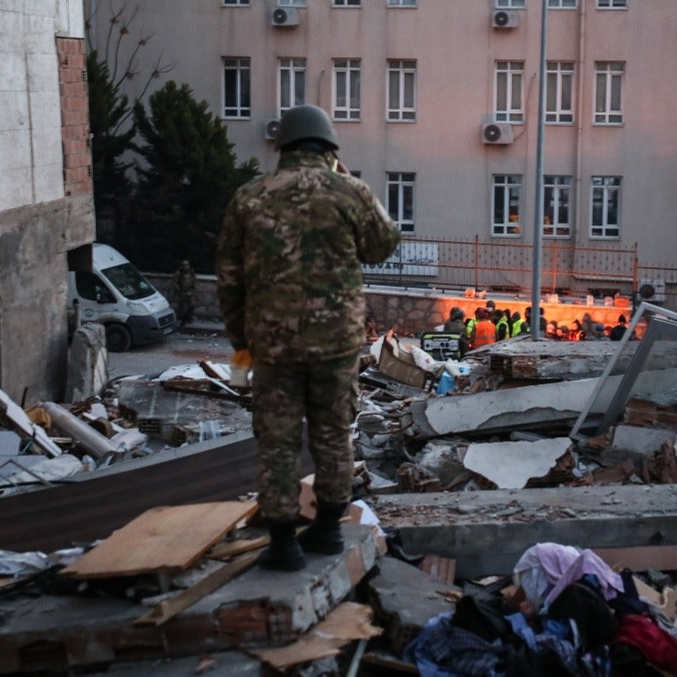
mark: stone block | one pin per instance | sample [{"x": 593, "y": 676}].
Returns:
[
  {"x": 48, "y": 182},
  {"x": 13, "y": 111},
  {"x": 13, "y": 74},
  {"x": 15, "y": 152}
]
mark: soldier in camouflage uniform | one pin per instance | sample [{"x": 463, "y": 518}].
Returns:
[
  {"x": 290, "y": 288},
  {"x": 184, "y": 284}
]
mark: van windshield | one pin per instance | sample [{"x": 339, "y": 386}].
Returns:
[{"x": 129, "y": 281}]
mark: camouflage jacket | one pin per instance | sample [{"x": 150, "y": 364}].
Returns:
[{"x": 289, "y": 260}]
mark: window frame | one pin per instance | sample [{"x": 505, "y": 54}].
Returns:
[
  {"x": 346, "y": 3},
  {"x": 292, "y": 3},
  {"x": 402, "y": 4},
  {"x": 607, "y": 189},
  {"x": 557, "y": 68},
  {"x": 402, "y": 113},
  {"x": 502, "y": 229},
  {"x": 561, "y": 185},
  {"x": 402, "y": 181},
  {"x": 510, "y": 4},
  {"x": 514, "y": 116},
  {"x": 613, "y": 4},
  {"x": 294, "y": 66},
  {"x": 243, "y": 112},
  {"x": 235, "y": 3},
  {"x": 557, "y": 4},
  {"x": 352, "y": 67},
  {"x": 610, "y": 75}
]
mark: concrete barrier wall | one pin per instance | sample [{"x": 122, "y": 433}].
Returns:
[{"x": 414, "y": 310}]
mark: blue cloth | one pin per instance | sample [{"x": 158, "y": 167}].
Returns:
[{"x": 442, "y": 650}]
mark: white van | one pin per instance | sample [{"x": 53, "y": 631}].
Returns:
[{"x": 118, "y": 296}]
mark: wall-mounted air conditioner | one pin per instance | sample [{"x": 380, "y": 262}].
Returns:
[
  {"x": 651, "y": 291},
  {"x": 499, "y": 133},
  {"x": 502, "y": 19},
  {"x": 271, "y": 128},
  {"x": 284, "y": 17}
]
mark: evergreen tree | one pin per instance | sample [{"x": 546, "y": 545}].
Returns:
[
  {"x": 189, "y": 174},
  {"x": 111, "y": 137}
]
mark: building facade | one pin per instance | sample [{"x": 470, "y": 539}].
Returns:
[
  {"x": 46, "y": 204},
  {"x": 436, "y": 106}
]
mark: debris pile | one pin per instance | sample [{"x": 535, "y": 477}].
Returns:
[{"x": 135, "y": 417}]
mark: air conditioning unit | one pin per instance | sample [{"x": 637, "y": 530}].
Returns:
[
  {"x": 284, "y": 17},
  {"x": 272, "y": 127},
  {"x": 499, "y": 133},
  {"x": 651, "y": 291},
  {"x": 502, "y": 19}
]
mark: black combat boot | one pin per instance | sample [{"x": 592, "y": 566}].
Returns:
[
  {"x": 324, "y": 536},
  {"x": 284, "y": 552}
]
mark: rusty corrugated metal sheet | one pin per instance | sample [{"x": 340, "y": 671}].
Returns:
[{"x": 54, "y": 518}]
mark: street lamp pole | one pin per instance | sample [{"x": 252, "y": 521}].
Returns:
[{"x": 535, "y": 323}]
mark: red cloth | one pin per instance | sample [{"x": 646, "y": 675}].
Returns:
[{"x": 656, "y": 645}]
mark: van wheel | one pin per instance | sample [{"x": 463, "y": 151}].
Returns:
[{"x": 118, "y": 338}]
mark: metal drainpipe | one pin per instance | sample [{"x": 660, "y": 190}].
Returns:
[{"x": 579, "y": 126}]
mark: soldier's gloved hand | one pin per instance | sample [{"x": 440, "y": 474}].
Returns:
[{"x": 242, "y": 359}]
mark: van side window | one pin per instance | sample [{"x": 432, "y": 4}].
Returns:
[{"x": 89, "y": 286}]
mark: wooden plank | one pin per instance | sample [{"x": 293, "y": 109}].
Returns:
[
  {"x": 166, "y": 538},
  {"x": 169, "y": 608},
  {"x": 440, "y": 568},
  {"x": 640, "y": 558},
  {"x": 238, "y": 547},
  {"x": 385, "y": 660},
  {"x": 346, "y": 623}
]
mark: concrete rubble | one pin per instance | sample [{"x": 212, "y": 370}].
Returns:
[{"x": 460, "y": 469}]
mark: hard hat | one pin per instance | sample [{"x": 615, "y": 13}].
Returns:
[{"x": 305, "y": 122}]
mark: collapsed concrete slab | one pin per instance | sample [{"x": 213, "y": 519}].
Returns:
[
  {"x": 487, "y": 531},
  {"x": 404, "y": 599},
  {"x": 552, "y": 360},
  {"x": 535, "y": 406},
  {"x": 510, "y": 465},
  {"x": 261, "y": 608},
  {"x": 499, "y": 410}
]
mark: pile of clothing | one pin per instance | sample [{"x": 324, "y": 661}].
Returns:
[{"x": 576, "y": 617}]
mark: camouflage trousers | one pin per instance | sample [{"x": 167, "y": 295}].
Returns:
[{"x": 326, "y": 394}]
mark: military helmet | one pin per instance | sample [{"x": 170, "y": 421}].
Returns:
[{"x": 305, "y": 122}]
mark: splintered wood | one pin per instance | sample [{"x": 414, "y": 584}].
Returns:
[
  {"x": 161, "y": 539},
  {"x": 346, "y": 623}
]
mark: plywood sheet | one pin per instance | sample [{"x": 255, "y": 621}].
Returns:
[{"x": 166, "y": 538}]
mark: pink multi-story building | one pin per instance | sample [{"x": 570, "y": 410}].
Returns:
[{"x": 436, "y": 105}]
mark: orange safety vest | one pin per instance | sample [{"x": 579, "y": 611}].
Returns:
[{"x": 485, "y": 333}]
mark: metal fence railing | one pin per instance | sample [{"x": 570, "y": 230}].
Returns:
[{"x": 505, "y": 265}]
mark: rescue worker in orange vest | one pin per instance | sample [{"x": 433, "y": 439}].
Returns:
[{"x": 484, "y": 330}]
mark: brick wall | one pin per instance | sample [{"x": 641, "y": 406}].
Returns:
[{"x": 77, "y": 157}]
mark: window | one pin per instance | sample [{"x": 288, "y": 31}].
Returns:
[
  {"x": 401, "y": 200},
  {"x": 608, "y": 84},
  {"x": 506, "y": 205},
  {"x": 605, "y": 207},
  {"x": 556, "y": 201},
  {"x": 347, "y": 3},
  {"x": 612, "y": 4},
  {"x": 346, "y": 86},
  {"x": 235, "y": 3},
  {"x": 292, "y": 3},
  {"x": 401, "y": 3},
  {"x": 236, "y": 88},
  {"x": 509, "y": 79},
  {"x": 562, "y": 4},
  {"x": 402, "y": 90},
  {"x": 292, "y": 83},
  {"x": 511, "y": 4},
  {"x": 559, "y": 102}
]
